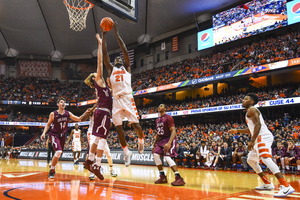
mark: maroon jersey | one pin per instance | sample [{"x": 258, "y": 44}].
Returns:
[
  {"x": 295, "y": 152},
  {"x": 240, "y": 150},
  {"x": 214, "y": 149},
  {"x": 104, "y": 97},
  {"x": 60, "y": 123},
  {"x": 279, "y": 152},
  {"x": 163, "y": 125}
]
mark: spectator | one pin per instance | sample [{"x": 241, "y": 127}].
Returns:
[
  {"x": 225, "y": 156},
  {"x": 292, "y": 156},
  {"x": 192, "y": 155}
]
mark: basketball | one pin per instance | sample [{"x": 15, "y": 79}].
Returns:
[{"x": 107, "y": 23}]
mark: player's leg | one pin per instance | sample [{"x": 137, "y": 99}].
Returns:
[
  {"x": 171, "y": 153},
  {"x": 110, "y": 161},
  {"x": 138, "y": 129},
  {"x": 100, "y": 129},
  {"x": 158, "y": 162},
  {"x": 118, "y": 121},
  {"x": 285, "y": 188},
  {"x": 58, "y": 145},
  {"x": 264, "y": 150},
  {"x": 96, "y": 167},
  {"x": 253, "y": 162},
  {"x": 133, "y": 117}
]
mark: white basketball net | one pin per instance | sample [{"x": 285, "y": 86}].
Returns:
[{"x": 78, "y": 11}]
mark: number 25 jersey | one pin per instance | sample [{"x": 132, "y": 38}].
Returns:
[
  {"x": 120, "y": 81},
  {"x": 163, "y": 125}
]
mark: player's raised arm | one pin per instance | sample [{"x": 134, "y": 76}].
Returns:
[
  {"x": 99, "y": 75},
  {"x": 106, "y": 59},
  {"x": 50, "y": 121},
  {"x": 76, "y": 118},
  {"x": 123, "y": 48}
]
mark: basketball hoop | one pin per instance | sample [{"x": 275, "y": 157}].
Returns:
[{"x": 78, "y": 11}]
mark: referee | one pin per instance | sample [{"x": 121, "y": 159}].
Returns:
[{"x": 50, "y": 149}]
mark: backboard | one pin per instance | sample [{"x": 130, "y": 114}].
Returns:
[{"x": 125, "y": 9}]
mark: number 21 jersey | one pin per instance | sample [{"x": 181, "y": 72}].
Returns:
[{"x": 120, "y": 81}]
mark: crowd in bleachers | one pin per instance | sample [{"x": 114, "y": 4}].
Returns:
[
  {"x": 265, "y": 51},
  {"x": 226, "y": 98},
  {"x": 270, "y": 50},
  {"x": 34, "y": 89}
]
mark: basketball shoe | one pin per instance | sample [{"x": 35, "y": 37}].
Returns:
[
  {"x": 96, "y": 170},
  {"x": 284, "y": 191},
  {"x": 51, "y": 173},
  {"x": 178, "y": 181},
  {"x": 92, "y": 176},
  {"x": 162, "y": 179},
  {"x": 127, "y": 159},
  {"x": 87, "y": 164},
  {"x": 113, "y": 174},
  {"x": 265, "y": 187}
]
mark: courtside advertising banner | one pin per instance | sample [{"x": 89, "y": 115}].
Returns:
[
  {"x": 145, "y": 158},
  {"x": 293, "y": 11},
  {"x": 205, "y": 39},
  {"x": 277, "y": 102}
]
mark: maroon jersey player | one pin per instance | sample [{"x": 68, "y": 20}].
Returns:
[
  {"x": 101, "y": 115},
  {"x": 59, "y": 119},
  {"x": 164, "y": 145}
]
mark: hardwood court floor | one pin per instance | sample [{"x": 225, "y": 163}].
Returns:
[{"x": 28, "y": 180}]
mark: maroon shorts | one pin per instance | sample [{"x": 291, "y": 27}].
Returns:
[
  {"x": 57, "y": 141},
  {"x": 101, "y": 123},
  {"x": 159, "y": 147}
]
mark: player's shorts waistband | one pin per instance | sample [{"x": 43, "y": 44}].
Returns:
[
  {"x": 104, "y": 109},
  {"x": 121, "y": 96}
]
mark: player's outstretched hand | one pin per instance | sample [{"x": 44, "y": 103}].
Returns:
[
  {"x": 103, "y": 31},
  {"x": 116, "y": 27}
]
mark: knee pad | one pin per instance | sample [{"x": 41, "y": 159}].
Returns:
[
  {"x": 58, "y": 153},
  {"x": 170, "y": 161},
  {"x": 271, "y": 165},
  {"x": 157, "y": 159},
  {"x": 101, "y": 144}
]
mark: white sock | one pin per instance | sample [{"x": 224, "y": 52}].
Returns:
[
  {"x": 126, "y": 150},
  {"x": 52, "y": 167},
  {"x": 298, "y": 167},
  {"x": 287, "y": 167},
  {"x": 98, "y": 161},
  {"x": 141, "y": 140},
  {"x": 91, "y": 156},
  {"x": 110, "y": 167}
]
